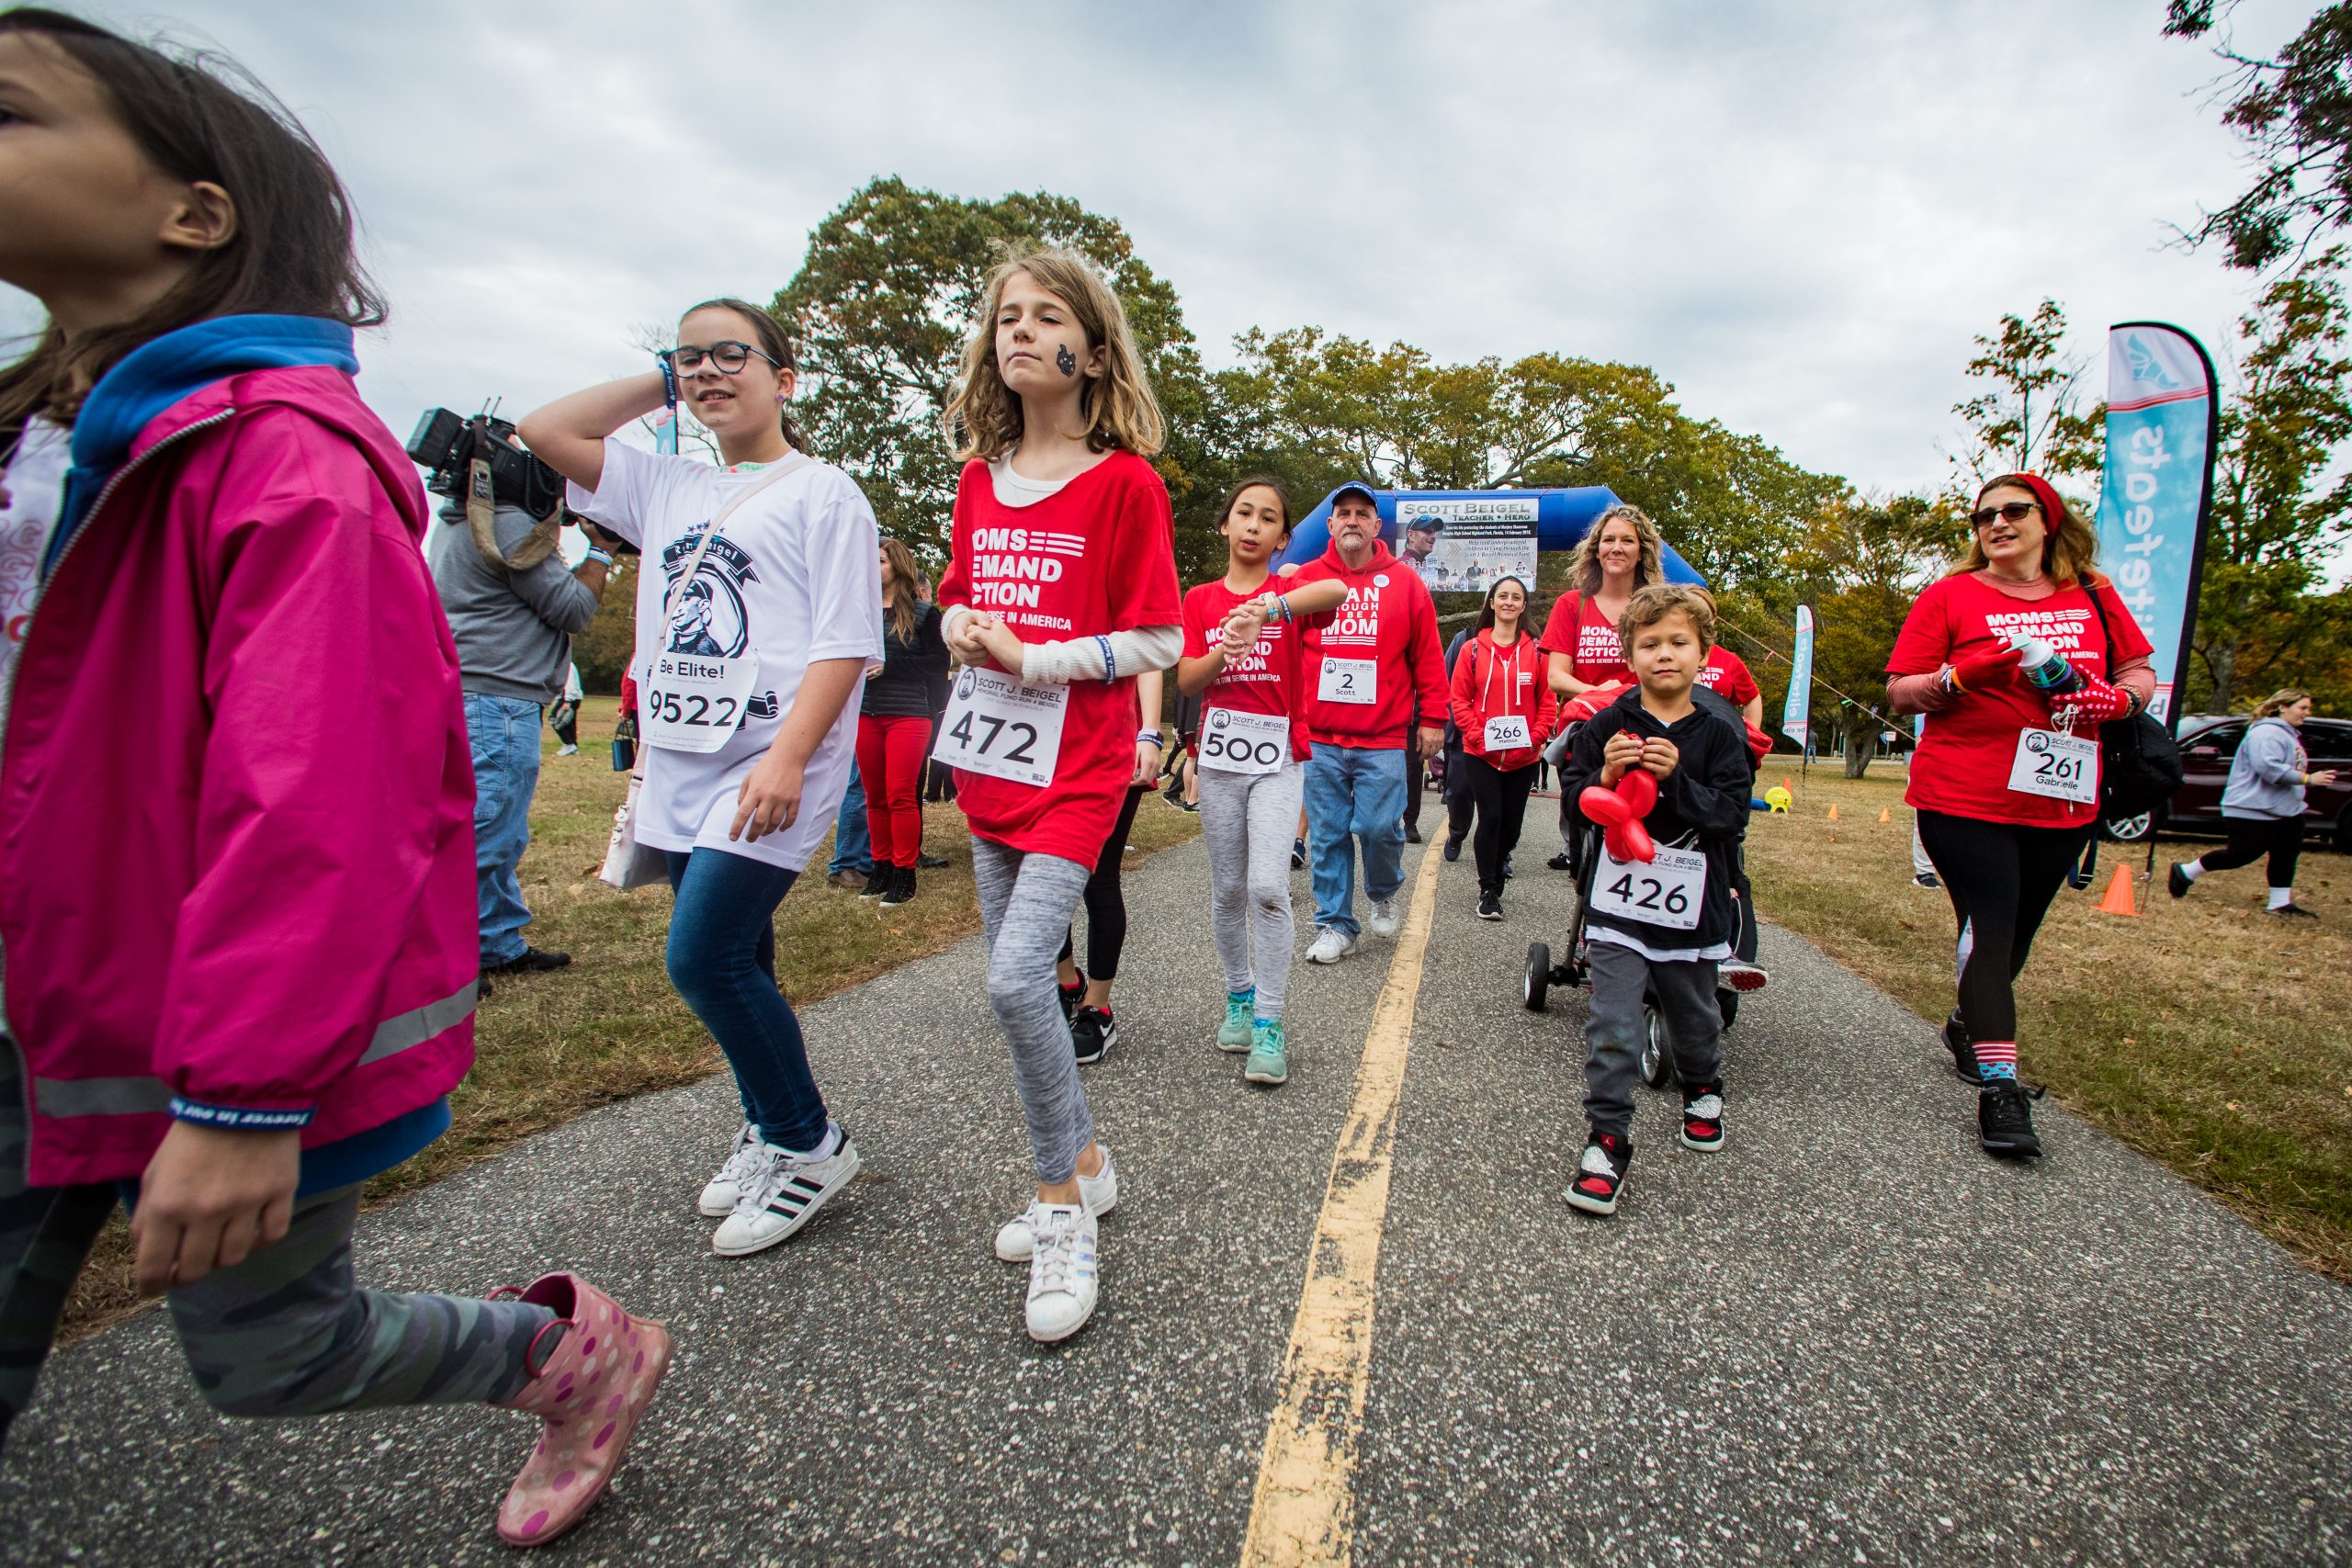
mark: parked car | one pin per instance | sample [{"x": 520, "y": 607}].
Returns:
[{"x": 2208, "y": 745}]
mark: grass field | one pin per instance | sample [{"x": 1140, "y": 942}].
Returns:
[
  {"x": 551, "y": 1047},
  {"x": 2204, "y": 1033}
]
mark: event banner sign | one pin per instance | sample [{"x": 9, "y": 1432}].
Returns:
[
  {"x": 2157, "y": 496},
  {"x": 1463, "y": 547},
  {"x": 1794, "y": 722}
]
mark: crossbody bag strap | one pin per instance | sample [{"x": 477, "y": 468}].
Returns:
[{"x": 694, "y": 562}]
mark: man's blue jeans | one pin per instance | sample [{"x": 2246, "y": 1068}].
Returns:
[
  {"x": 853, "y": 840},
  {"x": 1353, "y": 792},
  {"x": 505, "y": 737}
]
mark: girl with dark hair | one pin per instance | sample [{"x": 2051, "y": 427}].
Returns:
[
  {"x": 1504, "y": 711},
  {"x": 2005, "y": 778},
  {"x": 239, "y": 934},
  {"x": 893, "y": 727},
  {"x": 757, "y": 612}
]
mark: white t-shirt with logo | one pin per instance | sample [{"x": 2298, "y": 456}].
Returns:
[
  {"x": 793, "y": 578},
  {"x": 35, "y": 481}
]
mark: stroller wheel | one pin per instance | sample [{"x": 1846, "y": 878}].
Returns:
[
  {"x": 1538, "y": 979},
  {"x": 1658, "y": 1060}
]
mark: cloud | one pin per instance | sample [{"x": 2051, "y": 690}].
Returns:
[{"x": 1798, "y": 214}]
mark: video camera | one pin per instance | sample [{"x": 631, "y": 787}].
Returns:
[{"x": 448, "y": 446}]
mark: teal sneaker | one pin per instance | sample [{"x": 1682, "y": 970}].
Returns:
[
  {"x": 1267, "y": 1064},
  {"x": 1235, "y": 1034}
]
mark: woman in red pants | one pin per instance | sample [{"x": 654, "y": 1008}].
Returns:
[{"x": 893, "y": 727}]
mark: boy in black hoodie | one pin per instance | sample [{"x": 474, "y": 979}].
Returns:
[{"x": 1666, "y": 924}]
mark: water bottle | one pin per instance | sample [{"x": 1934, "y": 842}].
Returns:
[{"x": 2044, "y": 665}]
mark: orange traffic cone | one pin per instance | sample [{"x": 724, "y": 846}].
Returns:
[
  {"x": 2119, "y": 893},
  {"x": 1885, "y": 813},
  {"x": 1833, "y": 811}
]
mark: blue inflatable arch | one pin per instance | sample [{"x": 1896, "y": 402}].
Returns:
[{"x": 1561, "y": 518}]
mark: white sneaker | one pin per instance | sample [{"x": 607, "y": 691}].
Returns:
[
  {"x": 1741, "y": 977},
  {"x": 1383, "y": 923},
  {"x": 1332, "y": 945},
  {"x": 1100, "y": 1193},
  {"x": 567, "y": 750},
  {"x": 742, "y": 1167},
  {"x": 785, "y": 1194},
  {"x": 1061, "y": 1271}
]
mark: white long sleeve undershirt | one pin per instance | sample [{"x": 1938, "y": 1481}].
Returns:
[{"x": 1078, "y": 658}]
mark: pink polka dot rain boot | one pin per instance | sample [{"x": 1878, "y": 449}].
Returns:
[{"x": 590, "y": 1390}]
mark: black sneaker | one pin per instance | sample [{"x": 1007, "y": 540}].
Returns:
[
  {"x": 877, "y": 883},
  {"x": 2005, "y": 1119},
  {"x": 530, "y": 961},
  {"x": 1490, "y": 905},
  {"x": 2177, "y": 881},
  {"x": 1071, "y": 996},
  {"x": 1600, "y": 1175},
  {"x": 1925, "y": 879},
  {"x": 1963, "y": 1051},
  {"x": 1702, "y": 1117},
  {"x": 1412, "y": 831},
  {"x": 1510, "y": 871},
  {"x": 1558, "y": 862},
  {"x": 930, "y": 863},
  {"x": 1092, "y": 1031},
  {"x": 1298, "y": 854},
  {"x": 901, "y": 889},
  {"x": 1453, "y": 847},
  {"x": 2293, "y": 912}
]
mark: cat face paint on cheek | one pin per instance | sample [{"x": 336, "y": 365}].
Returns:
[{"x": 1065, "y": 361}]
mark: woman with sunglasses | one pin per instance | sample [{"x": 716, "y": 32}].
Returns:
[
  {"x": 2005, "y": 778},
  {"x": 757, "y": 615}
]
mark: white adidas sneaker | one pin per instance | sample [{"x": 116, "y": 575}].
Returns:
[
  {"x": 1332, "y": 945},
  {"x": 1061, "y": 1271},
  {"x": 1383, "y": 923},
  {"x": 1100, "y": 1193},
  {"x": 719, "y": 1198},
  {"x": 785, "y": 1193}
]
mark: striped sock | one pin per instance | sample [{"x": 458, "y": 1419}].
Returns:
[{"x": 1997, "y": 1059}]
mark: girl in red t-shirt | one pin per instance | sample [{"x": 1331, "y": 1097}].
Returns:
[
  {"x": 1060, "y": 589},
  {"x": 1505, "y": 715},
  {"x": 2005, "y": 778}
]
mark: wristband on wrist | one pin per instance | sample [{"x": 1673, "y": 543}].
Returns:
[
  {"x": 597, "y": 553},
  {"x": 1151, "y": 738},
  {"x": 668, "y": 383}
]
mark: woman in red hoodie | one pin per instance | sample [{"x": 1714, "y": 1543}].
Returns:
[{"x": 1504, "y": 711}]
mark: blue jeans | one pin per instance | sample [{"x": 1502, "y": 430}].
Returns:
[
  {"x": 1353, "y": 792},
  {"x": 853, "y": 840},
  {"x": 504, "y": 733},
  {"x": 722, "y": 959}
]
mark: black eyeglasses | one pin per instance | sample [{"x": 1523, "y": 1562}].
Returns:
[
  {"x": 2013, "y": 514},
  {"x": 729, "y": 357}
]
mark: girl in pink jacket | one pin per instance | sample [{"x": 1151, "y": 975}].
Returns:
[{"x": 236, "y": 849}]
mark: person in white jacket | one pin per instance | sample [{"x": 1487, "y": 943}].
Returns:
[{"x": 2263, "y": 803}]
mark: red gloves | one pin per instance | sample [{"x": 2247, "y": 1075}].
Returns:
[
  {"x": 1618, "y": 813},
  {"x": 2095, "y": 700},
  {"x": 1980, "y": 671}
]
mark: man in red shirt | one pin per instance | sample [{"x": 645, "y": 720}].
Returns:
[{"x": 1373, "y": 668}]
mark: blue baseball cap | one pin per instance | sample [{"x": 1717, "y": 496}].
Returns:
[{"x": 1353, "y": 487}]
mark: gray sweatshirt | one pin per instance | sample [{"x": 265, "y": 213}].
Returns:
[
  {"x": 513, "y": 628},
  {"x": 2267, "y": 775}
]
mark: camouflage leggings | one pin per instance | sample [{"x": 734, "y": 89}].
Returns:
[{"x": 287, "y": 1332}]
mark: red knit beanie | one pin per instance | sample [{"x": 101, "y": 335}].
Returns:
[{"x": 2053, "y": 509}]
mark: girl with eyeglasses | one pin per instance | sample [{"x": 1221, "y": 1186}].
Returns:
[
  {"x": 2006, "y": 777},
  {"x": 757, "y": 612}
]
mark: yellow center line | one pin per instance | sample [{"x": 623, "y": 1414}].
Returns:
[{"x": 1304, "y": 1509}]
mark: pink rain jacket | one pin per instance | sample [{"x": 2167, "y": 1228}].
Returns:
[{"x": 237, "y": 800}]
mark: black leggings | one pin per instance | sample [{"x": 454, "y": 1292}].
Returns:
[
  {"x": 2001, "y": 878},
  {"x": 1501, "y": 801},
  {"x": 1106, "y": 907},
  {"x": 2251, "y": 837}
]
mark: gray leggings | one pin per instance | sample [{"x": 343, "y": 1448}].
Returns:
[
  {"x": 1027, "y": 901},
  {"x": 1692, "y": 1018},
  {"x": 287, "y": 1332},
  {"x": 1248, "y": 820}
]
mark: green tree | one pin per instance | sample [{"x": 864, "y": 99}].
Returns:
[
  {"x": 2028, "y": 419},
  {"x": 604, "y": 648},
  {"x": 881, "y": 307},
  {"x": 2276, "y": 515},
  {"x": 2293, "y": 111}
]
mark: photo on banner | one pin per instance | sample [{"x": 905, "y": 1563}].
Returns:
[{"x": 1465, "y": 546}]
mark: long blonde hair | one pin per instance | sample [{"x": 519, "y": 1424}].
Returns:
[
  {"x": 2068, "y": 549},
  {"x": 983, "y": 417},
  {"x": 904, "y": 581},
  {"x": 2284, "y": 697},
  {"x": 1584, "y": 566}
]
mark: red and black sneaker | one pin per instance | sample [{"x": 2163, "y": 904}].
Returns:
[
  {"x": 1600, "y": 1175},
  {"x": 1702, "y": 1117}
]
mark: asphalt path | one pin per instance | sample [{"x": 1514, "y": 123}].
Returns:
[{"x": 1847, "y": 1338}]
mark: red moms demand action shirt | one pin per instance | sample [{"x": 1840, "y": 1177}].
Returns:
[
  {"x": 1726, "y": 674},
  {"x": 1264, "y": 680},
  {"x": 1098, "y": 556},
  {"x": 1595, "y": 653},
  {"x": 1390, "y": 619},
  {"x": 1965, "y": 753}
]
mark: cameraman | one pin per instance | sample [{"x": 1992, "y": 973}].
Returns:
[{"x": 513, "y": 628}]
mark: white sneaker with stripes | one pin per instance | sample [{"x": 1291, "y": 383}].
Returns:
[
  {"x": 743, "y": 1162},
  {"x": 1061, "y": 1270},
  {"x": 1099, "y": 1192},
  {"x": 784, "y": 1194}
]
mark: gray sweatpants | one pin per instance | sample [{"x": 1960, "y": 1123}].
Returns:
[
  {"x": 287, "y": 1332},
  {"x": 1247, "y": 820},
  {"x": 1026, "y": 902},
  {"x": 1687, "y": 1007}
]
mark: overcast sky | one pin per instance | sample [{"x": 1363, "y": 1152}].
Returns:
[{"x": 1798, "y": 214}]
